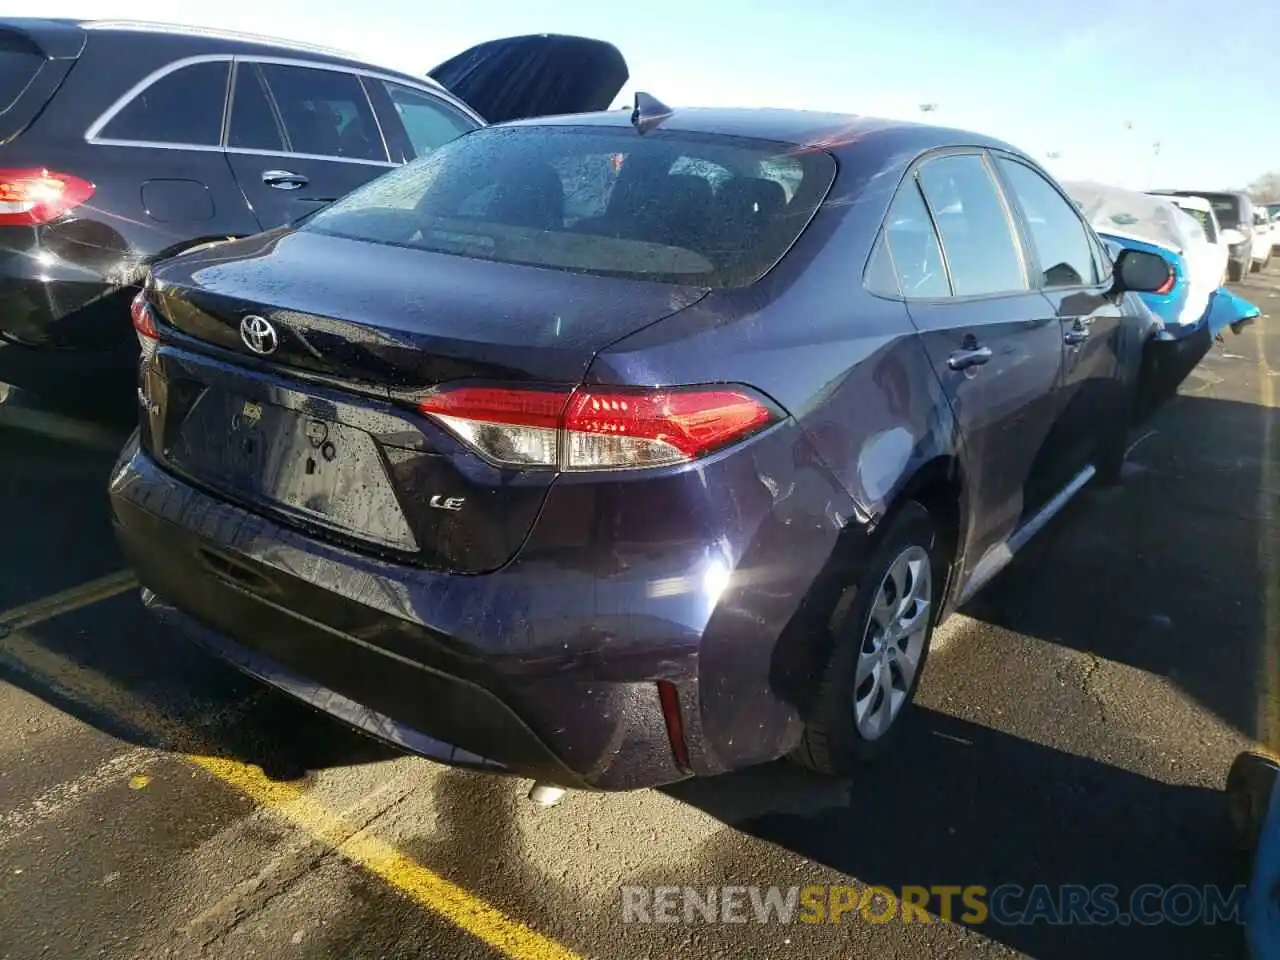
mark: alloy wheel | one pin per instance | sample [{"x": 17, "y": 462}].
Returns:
[{"x": 893, "y": 642}]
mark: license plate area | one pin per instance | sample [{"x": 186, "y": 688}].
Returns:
[{"x": 302, "y": 466}]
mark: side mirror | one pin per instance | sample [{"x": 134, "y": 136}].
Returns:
[
  {"x": 1142, "y": 272},
  {"x": 1232, "y": 237}
]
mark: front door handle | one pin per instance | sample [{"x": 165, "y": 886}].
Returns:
[
  {"x": 1076, "y": 336},
  {"x": 973, "y": 357},
  {"x": 283, "y": 179}
]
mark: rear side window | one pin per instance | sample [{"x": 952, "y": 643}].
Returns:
[
  {"x": 913, "y": 244},
  {"x": 253, "y": 122},
  {"x": 182, "y": 107},
  {"x": 669, "y": 207},
  {"x": 325, "y": 112},
  {"x": 1058, "y": 236},
  {"x": 976, "y": 234},
  {"x": 18, "y": 66},
  {"x": 428, "y": 122}
]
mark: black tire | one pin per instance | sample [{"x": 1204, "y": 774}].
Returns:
[
  {"x": 1254, "y": 267},
  {"x": 831, "y": 743},
  {"x": 1250, "y": 783},
  {"x": 1235, "y": 271}
]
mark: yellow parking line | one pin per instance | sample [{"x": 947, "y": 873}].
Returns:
[
  {"x": 289, "y": 801},
  {"x": 450, "y": 901}
]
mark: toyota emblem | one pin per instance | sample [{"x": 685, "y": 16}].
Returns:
[{"x": 258, "y": 334}]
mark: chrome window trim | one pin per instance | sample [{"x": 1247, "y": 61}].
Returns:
[
  {"x": 377, "y": 121},
  {"x": 244, "y": 152},
  {"x": 92, "y": 134}
]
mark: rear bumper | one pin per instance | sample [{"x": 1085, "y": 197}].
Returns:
[
  {"x": 65, "y": 335},
  {"x": 49, "y": 301},
  {"x": 433, "y": 692},
  {"x": 547, "y": 668},
  {"x": 420, "y": 664}
]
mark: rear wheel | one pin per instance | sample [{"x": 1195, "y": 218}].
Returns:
[
  {"x": 1250, "y": 783},
  {"x": 880, "y": 641}
]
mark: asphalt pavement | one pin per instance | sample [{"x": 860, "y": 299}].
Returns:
[{"x": 1075, "y": 728}]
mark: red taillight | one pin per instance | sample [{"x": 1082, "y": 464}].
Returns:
[
  {"x": 143, "y": 316},
  {"x": 597, "y": 428},
  {"x": 33, "y": 196}
]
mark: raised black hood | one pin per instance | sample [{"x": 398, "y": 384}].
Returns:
[{"x": 541, "y": 75}]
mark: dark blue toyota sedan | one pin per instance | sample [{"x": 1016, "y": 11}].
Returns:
[{"x": 614, "y": 449}]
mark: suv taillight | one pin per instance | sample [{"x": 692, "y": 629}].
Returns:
[
  {"x": 32, "y": 196},
  {"x": 143, "y": 315},
  {"x": 597, "y": 428}
]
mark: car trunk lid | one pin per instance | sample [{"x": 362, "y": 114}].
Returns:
[
  {"x": 401, "y": 318},
  {"x": 322, "y": 431},
  {"x": 540, "y": 75}
]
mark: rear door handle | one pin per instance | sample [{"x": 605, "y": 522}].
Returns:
[
  {"x": 283, "y": 179},
  {"x": 964, "y": 359}
]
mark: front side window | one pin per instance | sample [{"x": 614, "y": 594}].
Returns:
[
  {"x": 976, "y": 234},
  {"x": 428, "y": 122},
  {"x": 596, "y": 200},
  {"x": 325, "y": 112},
  {"x": 182, "y": 107},
  {"x": 1058, "y": 236}
]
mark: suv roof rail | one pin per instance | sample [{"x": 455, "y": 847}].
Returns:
[{"x": 149, "y": 26}]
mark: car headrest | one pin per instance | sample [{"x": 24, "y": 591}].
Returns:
[
  {"x": 534, "y": 199},
  {"x": 752, "y": 198}
]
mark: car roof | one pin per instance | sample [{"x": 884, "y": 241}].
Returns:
[
  {"x": 1192, "y": 203},
  {"x": 233, "y": 41},
  {"x": 1238, "y": 195},
  {"x": 830, "y": 131}
]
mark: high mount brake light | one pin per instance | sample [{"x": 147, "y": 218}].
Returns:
[
  {"x": 607, "y": 428},
  {"x": 34, "y": 195}
]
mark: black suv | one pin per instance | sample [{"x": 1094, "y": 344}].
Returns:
[
  {"x": 1234, "y": 211},
  {"x": 124, "y": 143}
]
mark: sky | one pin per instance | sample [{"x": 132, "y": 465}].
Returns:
[{"x": 1088, "y": 87}]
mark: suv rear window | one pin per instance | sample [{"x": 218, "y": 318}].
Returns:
[
  {"x": 18, "y": 65},
  {"x": 1225, "y": 207},
  {"x": 668, "y": 207}
]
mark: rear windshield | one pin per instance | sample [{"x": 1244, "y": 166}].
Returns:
[
  {"x": 17, "y": 66},
  {"x": 1225, "y": 207},
  {"x": 1202, "y": 218},
  {"x": 666, "y": 207}
]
